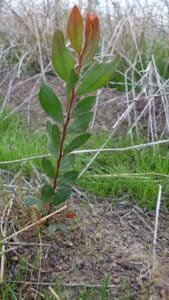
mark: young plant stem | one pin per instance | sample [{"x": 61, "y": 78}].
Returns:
[
  {"x": 80, "y": 58},
  {"x": 65, "y": 125}
]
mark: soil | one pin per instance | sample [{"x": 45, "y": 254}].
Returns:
[{"x": 104, "y": 238}]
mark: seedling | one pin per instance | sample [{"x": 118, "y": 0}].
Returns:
[{"x": 68, "y": 131}]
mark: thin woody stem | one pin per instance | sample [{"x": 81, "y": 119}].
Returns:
[
  {"x": 80, "y": 59},
  {"x": 65, "y": 125}
]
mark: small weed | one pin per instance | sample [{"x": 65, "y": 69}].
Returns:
[
  {"x": 125, "y": 293},
  {"x": 7, "y": 291},
  {"x": 104, "y": 287}
]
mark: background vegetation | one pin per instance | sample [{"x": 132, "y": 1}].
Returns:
[{"x": 136, "y": 36}]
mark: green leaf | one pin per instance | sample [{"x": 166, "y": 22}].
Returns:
[
  {"x": 54, "y": 139},
  {"x": 51, "y": 148},
  {"x": 57, "y": 227},
  {"x": 31, "y": 201},
  {"x": 77, "y": 142},
  {"x": 48, "y": 167},
  {"x": 96, "y": 78},
  {"x": 83, "y": 106},
  {"x": 62, "y": 195},
  {"x": 73, "y": 78},
  {"x": 50, "y": 103},
  {"x": 49, "y": 128},
  {"x": 55, "y": 136},
  {"x": 52, "y": 228},
  {"x": 81, "y": 124},
  {"x": 61, "y": 57},
  {"x": 68, "y": 178},
  {"x": 47, "y": 193},
  {"x": 67, "y": 162}
]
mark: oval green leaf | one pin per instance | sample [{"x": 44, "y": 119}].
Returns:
[
  {"x": 51, "y": 148},
  {"x": 96, "y": 78},
  {"x": 50, "y": 103},
  {"x": 62, "y": 195},
  {"x": 49, "y": 128},
  {"x": 61, "y": 57},
  {"x": 31, "y": 201},
  {"x": 52, "y": 228},
  {"x": 48, "y": 167},
  {"x": 67, "y": 162},
  {"x": 73, "y": 78},
  {"x": 68, "y": 178},
  {"x": 86, "y": 104},
  {"x": 77, "y": 142},
  {"x": 81, "y": 123},
  {"x": 47, "y": 193},
  {"x": 54, "y": 139}
]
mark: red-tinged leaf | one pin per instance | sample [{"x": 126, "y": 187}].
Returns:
[
  {"x": 70, "y": 215},
  {"x": 47, "y": 207},
  {"x": 96, "y": 78},
  {"x": 61, "y": 57},
  {"x": 92, "y": 36},
  {"x": 75, "y": 29}
]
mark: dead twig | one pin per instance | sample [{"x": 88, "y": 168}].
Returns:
[
  {"x": 53, "y": 293},
  {"x": 155, "y": 239},
  {"x": 74, "y": 284},
  {"x": 40, "y": 265},
  {"x": 4, "y": 228}
]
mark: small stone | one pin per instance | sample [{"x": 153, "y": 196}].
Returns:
[
  {"x": 116, "y": 280},
  {"x": 15, "y": 258},
  {"x": 69, "y": 244}
]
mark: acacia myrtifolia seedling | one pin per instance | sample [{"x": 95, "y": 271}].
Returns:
[{"x": 74, "y": 123}]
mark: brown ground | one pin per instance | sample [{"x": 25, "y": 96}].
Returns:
[{"x": 102, "y": 239}]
